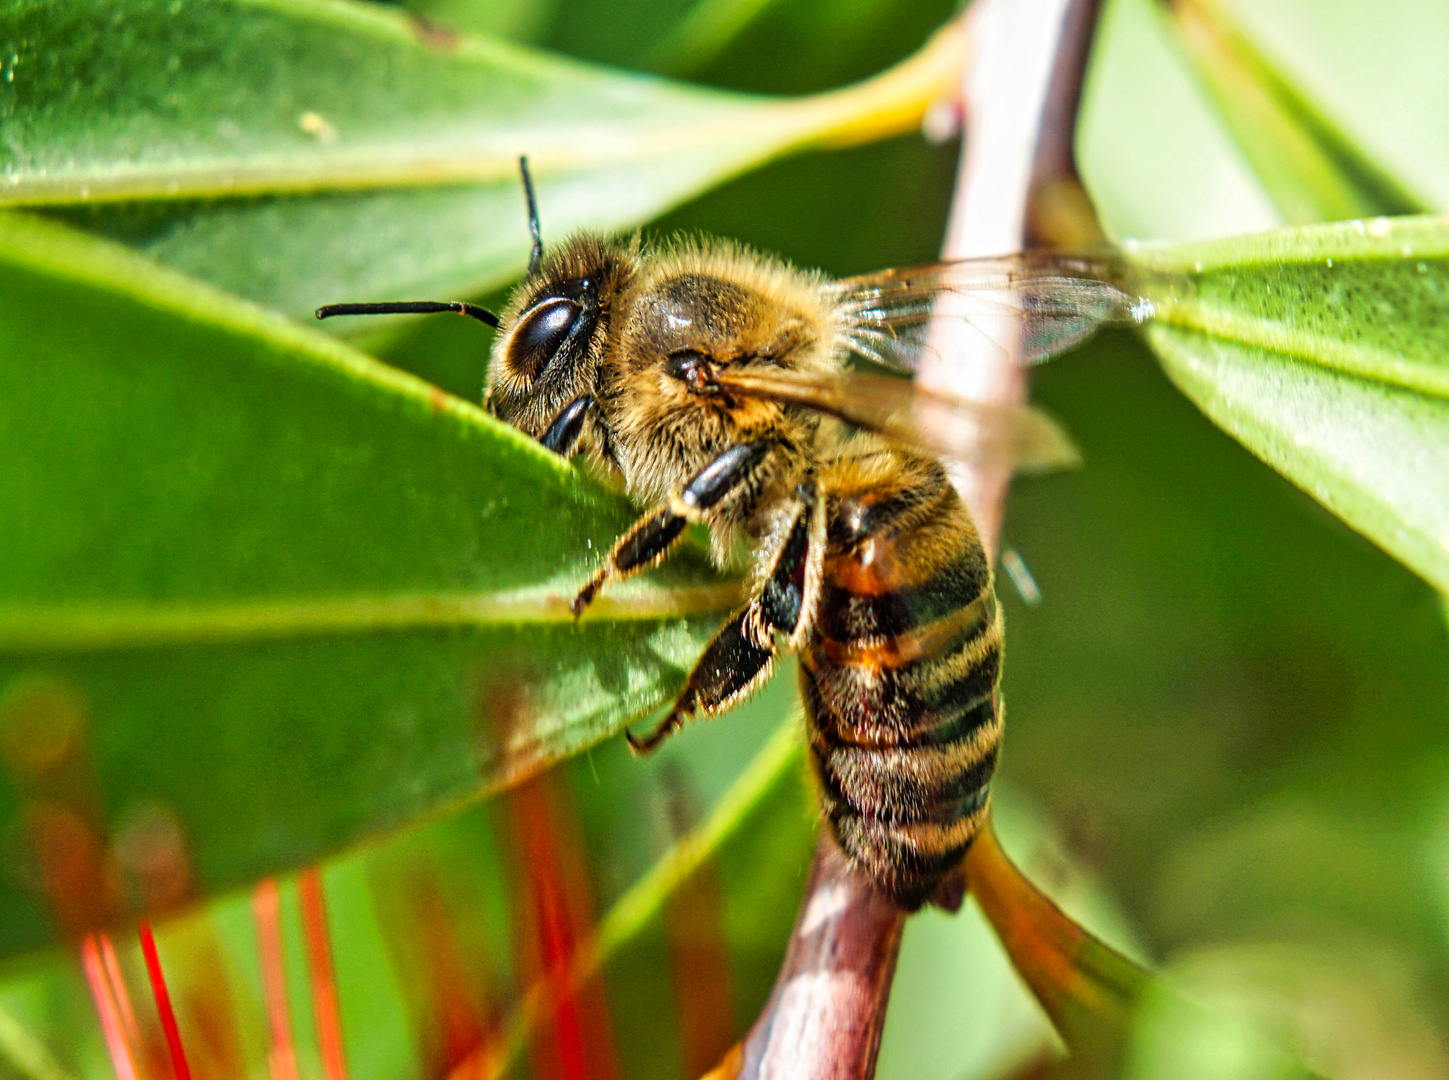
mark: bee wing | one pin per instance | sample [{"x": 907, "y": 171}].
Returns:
[
  {"x": 941, "y": 424},
  {"x": 1048, "y": 302}
]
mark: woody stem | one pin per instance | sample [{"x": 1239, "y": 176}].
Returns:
[{"x": 1017, "y": 185}]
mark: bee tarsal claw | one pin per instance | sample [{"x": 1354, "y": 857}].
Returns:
[
  {"x": 649, "y": 743},
  {"x": 582, "y": 600}
]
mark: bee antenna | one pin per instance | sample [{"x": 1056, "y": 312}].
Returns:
[
  {"x": 411, "y": 307},
  {"x": 536, "y": 255}
]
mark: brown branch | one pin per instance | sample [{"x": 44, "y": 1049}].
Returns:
[
  {"x": 1020, "y": 99},
  {"x": 1020, "y": 95},
  {"x": 1059, "y": 212},
  {"x": 824, "y": 1017}
]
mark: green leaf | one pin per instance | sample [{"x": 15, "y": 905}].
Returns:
[
  {"x": 25, "y": 1053},
  {"x": 1173, "y": 1036},
  {"x": 1153, "y": 151},
  {"x": 1233, "y": 706},
  {"x": 277, "y": 592},
  {"x": 704, "y": 32},
  {"x": 361, "y": 152},
  {"x": 1374, "y": 71},
  {"x": 296, "y": 253},
  {"x": 1109, "y": 1010},
  {"x": 306, "y": 95},
  {"x": 456, "y": 882},
  {"x": 513, "y": 20},
  {"x": 1323, "y": 350},
  {"x": 1310, "y": 167}
]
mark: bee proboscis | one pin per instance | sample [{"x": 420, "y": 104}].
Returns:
[{"x": 719, "y": 384}]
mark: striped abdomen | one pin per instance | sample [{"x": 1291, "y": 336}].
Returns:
[{"x": 900, "y": 674}]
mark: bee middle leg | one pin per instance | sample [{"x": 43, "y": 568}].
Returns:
[
  {"x": 653, "y": 535},
  {"x": 741, "y": 654}
]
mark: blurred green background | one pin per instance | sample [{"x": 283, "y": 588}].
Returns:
[{"x": 1227, "y": 746}]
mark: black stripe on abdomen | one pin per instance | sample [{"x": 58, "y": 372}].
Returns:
[
  {"x": 900, "y": 689},
  {"x": 848, "y": 616},
  {"x": 906, "y": 796},
  {"x": 936, "y": 698}
]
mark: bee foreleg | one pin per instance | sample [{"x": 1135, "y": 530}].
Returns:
[
  {"x": 652, "y": 536},
  {"x": 567, "y": 426},
  {"x": 736, "y": 660},
  {"x": 645, "y": 544}
]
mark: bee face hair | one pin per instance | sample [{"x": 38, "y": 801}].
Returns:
[{"x": 553, "y": 333}]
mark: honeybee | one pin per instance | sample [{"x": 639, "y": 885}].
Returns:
[{"x": 717, "y": 383}]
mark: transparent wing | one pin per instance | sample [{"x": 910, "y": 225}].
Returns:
[
  {"x": 1049, "y": 302},
  {"x": 940, "y": 424}
]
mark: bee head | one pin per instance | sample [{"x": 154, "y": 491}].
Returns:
[{"x": 552, "y": 334}]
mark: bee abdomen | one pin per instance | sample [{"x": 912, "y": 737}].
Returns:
[{"x": 900, "y": 690}]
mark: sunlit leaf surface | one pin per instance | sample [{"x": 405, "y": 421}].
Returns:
[
  {"x": 1324, "y": 351},
  {"x": 1312, "y": 170},
  {"x": 272, "y": 590},
  {"x": 1154, "y": 152},
  {"x": 406, "y": 136},
  {"x": 1372, "y": 72},
  {"x": 1231, "y": 706}
]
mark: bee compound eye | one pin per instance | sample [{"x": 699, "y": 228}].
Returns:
[{"x": 540, "y": 335}]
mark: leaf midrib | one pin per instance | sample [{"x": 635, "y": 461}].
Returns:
[
  {"x": 1324, "y": 351},
  {"x": 889, "y": 102},
  {"x": 89, "y": 627}
]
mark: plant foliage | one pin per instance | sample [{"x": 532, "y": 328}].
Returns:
[{"x": 264, "y": 598}]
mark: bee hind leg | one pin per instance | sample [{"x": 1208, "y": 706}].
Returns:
[
  {"x": 739, "y": 657},
  {"x": 736, "y": 660},
  {"x": 649, "y": 541}
]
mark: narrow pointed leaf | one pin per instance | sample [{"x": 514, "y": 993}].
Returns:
[
  {"x": 1116, "y": 1018},
  {"x": 252, "y": 97},
  {"x": 361, "y": 152},
  {"x": 1311, "y": 168},
  {"x": 1087, "y": 989},
  {"x": 279, "y": 595},
  {"x": 1323, "y": 350}
]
